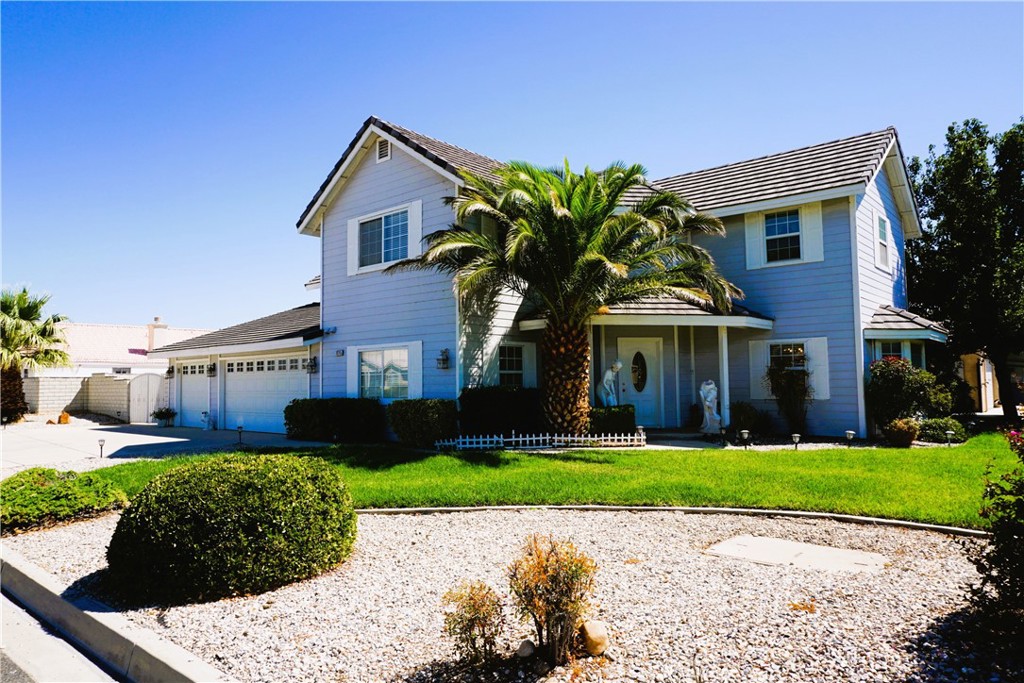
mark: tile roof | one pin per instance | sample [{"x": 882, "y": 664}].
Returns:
[
  {"x": 818, "y": 167},
  {"x": 127, "y": 345},
  {"x": 303, "y": 322},
  {"x": 666, "y": 305},
  {"x": 892, "y": 318},
  {"x": 445, "y": 155}
]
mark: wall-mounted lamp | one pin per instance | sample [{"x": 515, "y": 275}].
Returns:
[
  {"x": 796, "y": 442},
  {"x": 442, "y": 360},
  {"x": 170, "y": 371},
  {"x": 311, "y": 366},
  {"x": 211, "y": 370}
]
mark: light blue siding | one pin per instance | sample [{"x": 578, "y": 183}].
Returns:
[
  {"x": 377, "y": 308},
  {"x": 880, "y": 286}
]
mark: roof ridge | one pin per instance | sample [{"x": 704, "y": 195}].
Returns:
[{"x": 887, "y": 129}]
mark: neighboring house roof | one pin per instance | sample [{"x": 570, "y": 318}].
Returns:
[
  {"x": 119, "y": 345},
  {"x": 291, "y": 326},
  {"x": 890, "y": 322},
  {"x": 313, "y": 283},
  {"x": 443, "y": 155}
]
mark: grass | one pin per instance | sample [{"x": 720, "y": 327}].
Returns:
[{"x": 938, "y": 485}]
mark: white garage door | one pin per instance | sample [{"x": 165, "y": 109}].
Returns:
[
  {"x": 257, "y": 390},
  {"x": 195, "y": 394}
]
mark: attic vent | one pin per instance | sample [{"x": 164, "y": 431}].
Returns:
[{"x": 383, "y": 150}]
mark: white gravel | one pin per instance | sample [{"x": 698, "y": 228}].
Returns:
[{"x": 378, "y": 617}]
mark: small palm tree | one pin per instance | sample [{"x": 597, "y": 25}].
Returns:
[
  {"x": 28, "y": 341},
  {"x": 571, "y": 245}
]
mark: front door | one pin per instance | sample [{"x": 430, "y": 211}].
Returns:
[{"x": 640, "y": 378}]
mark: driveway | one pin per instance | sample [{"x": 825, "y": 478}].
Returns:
[{"x": 76, "y": 446}]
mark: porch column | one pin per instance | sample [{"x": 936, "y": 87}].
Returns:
[{"x": 723, "y": 369}]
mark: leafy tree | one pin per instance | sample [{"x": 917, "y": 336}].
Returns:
[
  {"x": 571, "y": 244},
  {"x": 28, "y": 341},
  {"x": 968, "y": 267}
]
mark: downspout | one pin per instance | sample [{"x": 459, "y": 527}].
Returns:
[
  {"x": 323, "y": 284},
  {"x": 858, "y": 327}
]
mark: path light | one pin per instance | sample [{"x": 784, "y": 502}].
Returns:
[
  {"x": 721, "y": 430},
  {"x": 796, "y": 442},
  {"x": 745, "y": 435},
  {"x": 949, "y": 437},
  {"x": 849, "y": 437},
  {"x": 240, "y": 428},
  {"x": 102, "y": 441}
]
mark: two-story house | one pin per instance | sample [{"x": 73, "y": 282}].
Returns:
[{"x": 814, "y": 237}]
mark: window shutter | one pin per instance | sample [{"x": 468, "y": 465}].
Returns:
[
  {"x": 353, "y": 246},
  {"x": 415, "y": 369},
  {"x": 754, "y": 234},
  {"x": 415, "y": 228},
  {"x": 383, "y": 150},
  {"x": 813, "y": 246},
  {"x": 352, "y": 372},
  {"x": 817, "y": 361},
  {"x": 758, "y": 366}
]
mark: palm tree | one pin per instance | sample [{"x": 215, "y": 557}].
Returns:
[
  {"x": 571, "y": 245},
  {"x": 28, "y": 341}
]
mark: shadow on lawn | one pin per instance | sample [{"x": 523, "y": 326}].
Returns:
[
  {"x": 970, "y": 645},
  {"x": 386, "y": 456}
]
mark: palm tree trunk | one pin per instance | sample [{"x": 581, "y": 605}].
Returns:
[
  {"x": 565, "y": 353},
  {"x": 12, "y": 396}
]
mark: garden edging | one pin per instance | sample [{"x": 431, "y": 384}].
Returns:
[
  {"x": 131, "y": 652},
  {"x": 753, "y": 512}
]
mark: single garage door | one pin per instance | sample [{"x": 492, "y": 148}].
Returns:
[
  {"x": 257, "y": 390},
  {"x": 195, "y": 395}
]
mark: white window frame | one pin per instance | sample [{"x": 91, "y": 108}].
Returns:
[
  {"x": 529, "y": 362},
  {"x": 376, "y": 150},
  {"x": 816, "y": 353},
  {"x": 811, "y": 240},
  {"x": 883, "y": 259},
  {"x": 413, "y": 348},
  {"x": 414, "y": 210},
  {"x": 906, "y": 350}
]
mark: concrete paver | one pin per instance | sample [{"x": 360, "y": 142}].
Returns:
[{"x": 777, "y": 551}]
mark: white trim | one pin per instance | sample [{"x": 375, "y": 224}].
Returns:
[
  {"x": 783, "y": 202},
  {"x": 816, "y": 352},
  {"x": 675, "y": 365},
  {"x": 886, "y": 266},
  {"x": 858, "y": 323},
  {"x": 723, "y": 375},
  {"x": 292, "y": 342},
  {"x": 811, "y": 233},
  {"x": 414, "y": 238},
  {"x": 899, "y": 335},
  {"x": 666, "y": 320},
  {"x": 530, "y": 378},
  {"x": 415, "y": 349}
]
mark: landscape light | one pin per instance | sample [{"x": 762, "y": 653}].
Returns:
[
  {"x": 240, "y": 428},
  {"x": 849, "y": 437},
  {"x": 102, "y": 441},
  {"x": 745, "y": 435},
  {"x": 949, "y": 437},
  {"x": 796, "y": 442}
]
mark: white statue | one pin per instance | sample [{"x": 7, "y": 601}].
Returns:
[
  {"x": 608, "y": 385},
  {"x": 709, "y": 396}
]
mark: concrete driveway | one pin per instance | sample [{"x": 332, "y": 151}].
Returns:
[{"x": 76, "y": 446}]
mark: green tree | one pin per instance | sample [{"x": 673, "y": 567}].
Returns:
[
  {"x": 571, "y": 244},
  {"x": 28, "y": 341},
  {"x": 968, "y": 267}
]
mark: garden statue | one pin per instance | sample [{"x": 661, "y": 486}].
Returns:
[
  {"x": 608, "y": 385},
  {"x": 709, "y": 396}
]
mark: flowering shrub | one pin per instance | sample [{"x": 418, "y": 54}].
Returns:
[
  {"x": 474, "y": 620},
  {"x": 901, "y": 433},
  {"x": 896, "y": 389},
  {"x": 551, "y": 584},
  {"x": 1001, "y": 562}
]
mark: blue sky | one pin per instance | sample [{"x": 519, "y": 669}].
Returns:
[{"x": 156, "y": 156}]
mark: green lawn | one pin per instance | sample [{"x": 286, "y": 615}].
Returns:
[{"x": 938, "y": 485}]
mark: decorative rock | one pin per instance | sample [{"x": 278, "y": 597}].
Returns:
[
  {"x": 526, "y": 649},
  {"x": 50, "y": 422},
  {"x": 64, "y": 419},
  {"x": 595, "y": 637}
]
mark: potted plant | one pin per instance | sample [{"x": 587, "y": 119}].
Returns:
[{"x": 165, "y": 416}]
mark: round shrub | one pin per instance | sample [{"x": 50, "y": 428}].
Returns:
[
  {"x": 901, "y": 433},
  {"x": 934, "y": 430},
  {"x": 41, "y": 496},
  {"x": 232, "y": 526}
]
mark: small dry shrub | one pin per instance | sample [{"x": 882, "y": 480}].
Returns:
[
  {"x": 901, "y": 433},
  {"x": 551, "y": 584},
  {"x": 473, "y": 619}
]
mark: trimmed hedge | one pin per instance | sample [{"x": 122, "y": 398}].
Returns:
[
  {"x": 613, "y": 420},
  {"x": 41, "y": 496},
  {"x": 345, "y": 420},
  {"x": 934, "y": 430},
  {"x": 234, "y": 525},
  {"x": 745, "y": 416},
  {"x": 420, "y": 422},
  {"x": 500, "y": 410}
]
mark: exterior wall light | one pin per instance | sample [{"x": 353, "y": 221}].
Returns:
[
  {"x": 211, "y": 370},
  {"x": 311, "y": 366},
  {"x": 443, "y": 361},
  {"x": 170, "y": 371},
  {"x": 796, "y": 442}
]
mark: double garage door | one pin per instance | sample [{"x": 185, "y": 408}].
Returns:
[{"x": 256, "y": 391}]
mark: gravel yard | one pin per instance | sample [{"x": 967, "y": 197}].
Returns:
[{"x": 672, "y": 610}]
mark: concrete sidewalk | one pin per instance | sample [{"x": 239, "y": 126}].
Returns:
[{"x": 76, "y": 446}]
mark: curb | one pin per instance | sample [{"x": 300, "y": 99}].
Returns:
[
  {"x": 129, "y": 651},
  {"x": 752, "y": 512}
]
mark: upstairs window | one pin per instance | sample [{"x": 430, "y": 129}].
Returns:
[
  {"x": 384, "y": 239},
  {"x": 782, "y": 235},
  {"x": 882, "y": 247},
  {"x": 510, "y": 366}
]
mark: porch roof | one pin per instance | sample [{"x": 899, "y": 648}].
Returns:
[
  {"x": 670, "y": 311},
  {"x": 890, "y": 322}
]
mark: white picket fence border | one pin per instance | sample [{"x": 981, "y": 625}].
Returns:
[{"x": 531, "y": 441}]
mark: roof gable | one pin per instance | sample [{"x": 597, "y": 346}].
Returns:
[{"x": 296, "y": 323}]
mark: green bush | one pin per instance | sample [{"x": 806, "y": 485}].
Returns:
[
  {"x": 934, "y": 430},
  {"x": 234, "y": 525},
  {"x": 345, "y": 420},
  {"x": 474, "y": 619},
  {"x": 896, "y": 389},
  {"x": 421, "y": 422},
  {"x": 613, "y": 420},
  {"x": 551, "y": 584},
  {"x": 500, "y": 410},
  {"x": 901, "y": 433},
  {"x": 41, "y": 496},
  {"x": 791, "y": 388},
  {"x": 746, "y": 416}
]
